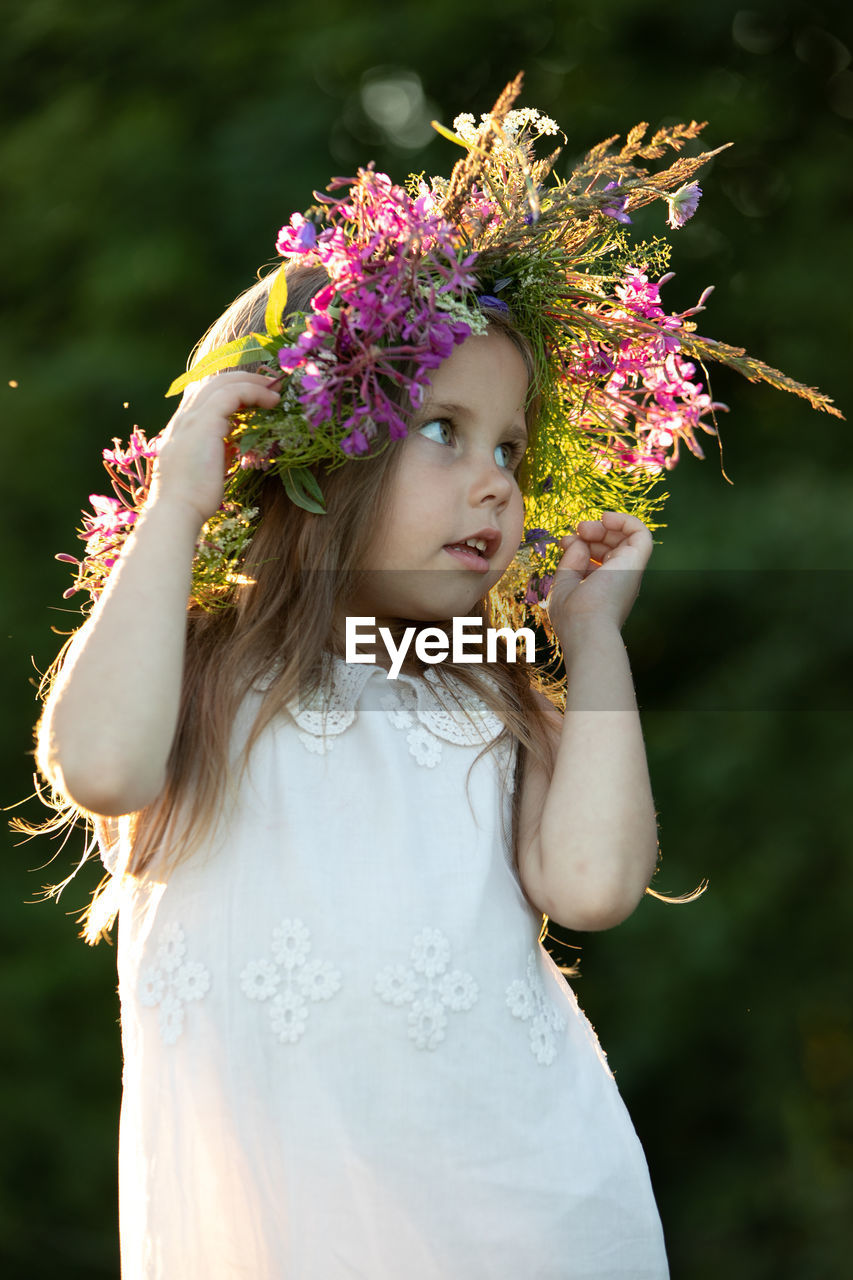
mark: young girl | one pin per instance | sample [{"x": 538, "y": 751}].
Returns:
[{"x": 346, "y": 1052}]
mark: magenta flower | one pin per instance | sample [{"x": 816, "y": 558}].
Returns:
[
  {"x": 139, "y": 447},
  {"x": 299, "y": 237},
  {"x": 111, "y": 517},
  {"x": 390, "y": 260},
  {"x": 640, "y": 296},
  {"x": 640, "y": 391},
  {"x": 683, "y": 203}
]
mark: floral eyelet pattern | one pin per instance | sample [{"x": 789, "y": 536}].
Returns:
[
  {"x": 172, "y": 981},
  {"x": 401, "y": 707},
  {"x": 429, "y": 987},
  {"x": 289, "y": 980},
  {"x": 527, "y": 999},
  {"x": 424, "y": 709}
]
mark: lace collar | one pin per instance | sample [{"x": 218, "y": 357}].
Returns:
[{"x": 454, "y": 714}]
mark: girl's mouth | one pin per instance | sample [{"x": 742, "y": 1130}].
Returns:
[{"x": 469, "y": 556}]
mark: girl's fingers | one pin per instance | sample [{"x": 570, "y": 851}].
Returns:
[
  {"x": 613, "y": 529},
  {"x": 231, "y": 386},
  {"x": 575, "y": 558}
]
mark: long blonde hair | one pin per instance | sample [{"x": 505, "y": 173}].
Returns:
[{"x": 300, "y": 569}]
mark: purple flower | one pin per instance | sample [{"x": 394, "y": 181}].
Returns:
[
  {"x": 538, "y": 587},
  {"x": 615, "y": 208},
  {"x": 496, "y": 304},
  {"x": 683, "y": 203},
  {"x": 356, "y": 442},
  {"x": 538, "y": 539}
]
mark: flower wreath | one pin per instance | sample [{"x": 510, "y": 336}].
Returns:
[{"x": 409, "y": 272}]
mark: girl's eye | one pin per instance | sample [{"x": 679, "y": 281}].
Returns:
[
  {"x": 509, "y": 455},
  {"x": 437, "y": 429}
]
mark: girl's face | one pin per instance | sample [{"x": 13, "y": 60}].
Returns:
[{"x": 453, "y": 484}]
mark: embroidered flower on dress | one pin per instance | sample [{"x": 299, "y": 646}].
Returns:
[
  {"x": 191, "y": 981},
  {"x": 172, "y": 948},
  {"x": 399, "y": 716},
  {"x": 259, "y": 979},
  {"x": 458, "y": 990},
  {"x": 318, "y": 746},
  {"x": 427, "y": 986},
  {"x": 289, "y": 1016},
  {"x": 396, "y": 984},
  {"x": 152, "y": 987},
  {"x": 427, "y": 1023},
  {"x": 290, "y": 980},
  {"x": 172, "y": 982},
  {"x": 318, "y": 980},
  {"x": 424, "y": 747},
  {"x": 430, "y": 952},
  {"x": 528, "y": 1000},
  {"x": 291, "y": 943},
  {"x": 171, "y": 1018}
]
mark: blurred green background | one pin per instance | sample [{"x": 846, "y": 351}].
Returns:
[{"x": 148, "y": 155}]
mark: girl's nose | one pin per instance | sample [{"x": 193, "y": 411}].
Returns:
[{"x": 490, "y": 482}]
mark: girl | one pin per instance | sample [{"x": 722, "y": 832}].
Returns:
[{"x": 346, "y": 1052}]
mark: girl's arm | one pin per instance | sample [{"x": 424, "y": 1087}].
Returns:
[
  {"x": 588, "y": 837},
  {"x": 109, "y": 722}
]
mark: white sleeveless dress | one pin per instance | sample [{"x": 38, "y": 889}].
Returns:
[{"x": 347, "y": 1056}]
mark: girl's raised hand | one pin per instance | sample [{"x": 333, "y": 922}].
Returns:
[
  {"x": 190, "y": 467},
  {"x": 600, "y": 572}
]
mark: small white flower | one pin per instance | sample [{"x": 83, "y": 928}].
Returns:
[
  {"x": 152, "y": 986},
  {"x": 542, "y": 1043},
  {"x": 289, "y": 1016},
  {"x": 192, "y": 981},
  {"x": 458, "y": 990},
  {"x": 398, "y": 715},
  {"x": 427, "y": 1023},
  {"x": 171, "y": 1018},
  {"x": 430, "y": 952},
  {"x": 319, "y": 980},
  {"x": 465, "y": 127},
  {"x": 424, "y": 747},
  {"x": 519, "y": 997},
  {"x": 528, "y": 1000},
  {"x": 259, "y": 979},
  {"x": 291, "y": 942},
  {"x": 395, "y": 984},
  {"x": 172, "y": 947}
]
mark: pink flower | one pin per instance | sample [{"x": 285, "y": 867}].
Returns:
[
  {"x": 376, "y": 324},
  {"x": 299, "y": 237},
  {"x": 138, "y": 448},
  {"x": 639, "y": 296},
  {"x": 111, "y": 517}
]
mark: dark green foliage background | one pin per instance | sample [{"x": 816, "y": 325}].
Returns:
[{"x": 148, "y": 155}]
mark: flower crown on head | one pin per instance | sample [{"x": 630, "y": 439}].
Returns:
[{"x": 414, "y": 271}]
